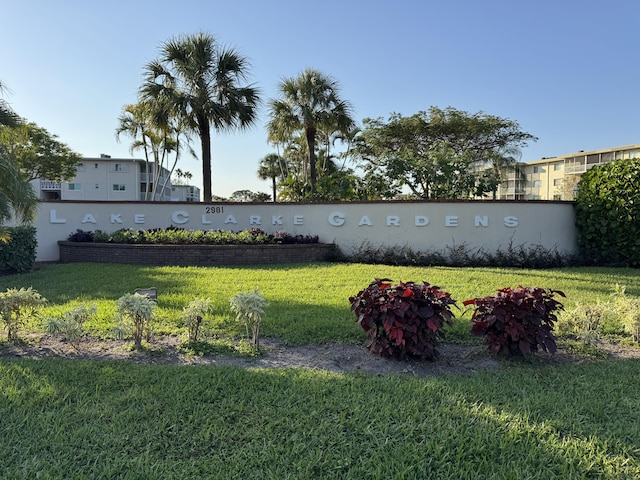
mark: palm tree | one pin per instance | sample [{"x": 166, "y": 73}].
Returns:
[
  {"x": 200, "y": 80},
  {"x": 310, "y": 103},
  {"x": 7, "y": 116},
  {"x": 158, "y": 135},
  {"x": 272, "y": 167},
  {"x": 16, "y": 195}
]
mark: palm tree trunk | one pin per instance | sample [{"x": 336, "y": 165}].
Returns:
[
  {"x": 273, "y": 185},
  {"x": 205, "y": 142},
  {"x": 311, "y": 145}
]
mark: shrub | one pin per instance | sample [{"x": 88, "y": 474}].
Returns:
[
  {"x": 72, "y": 323},
  {"x": 192, "y": 316},
  {"x": 180, "y": 236},
  {"x": 586, "y": 322},
  {"x": 18, "y": 254},
  {"x": 607, "y": 213},
  {"x": 249, "y": 309},
  {"x": 81, "y": 236},
  {"x": 628, "y": 311},
  {"x": 403, "y": 320},
  {"x": 516, "y": 321},
  {"x": 135, "y": 312},
  {"x": 17, "y": 307},
  {"x": 462, "y": 255}
]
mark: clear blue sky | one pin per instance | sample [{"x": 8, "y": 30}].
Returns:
[{"x": 566, "y": 70}]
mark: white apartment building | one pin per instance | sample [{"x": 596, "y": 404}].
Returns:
[
  {"x": 556, "y": 178},
  {"x": 116, "y": 179}
]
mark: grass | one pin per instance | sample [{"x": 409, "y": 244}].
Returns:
[
  {"x": 94, "y": 419},
  {"x": 307, "y": 303},
  {"x": 82, "y": 419}
]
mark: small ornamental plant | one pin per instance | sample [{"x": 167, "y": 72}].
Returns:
[
  {"x": 517, "y": 321},
  {"x": 249, "y": 309},
  {"x": 72, "y": 323},
  {"x": 135, "y": 312},
  {"x": 193, "y": 315},
  {"x": 17, "y": 307},
  {"x": 403, "y": 320}
]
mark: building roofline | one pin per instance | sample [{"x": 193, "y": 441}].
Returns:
[{"x": 635, "y": 146}]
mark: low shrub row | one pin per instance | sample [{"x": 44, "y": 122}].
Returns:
[
  {"x": 181, "y": 236},
  {"x": 407, "y": 319},
  {"x": 462, "y": 255}
]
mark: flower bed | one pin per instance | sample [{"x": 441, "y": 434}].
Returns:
[{"x": 197, "y": 255}]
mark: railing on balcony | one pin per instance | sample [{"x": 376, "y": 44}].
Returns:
[{"x": 49, "y": 185}]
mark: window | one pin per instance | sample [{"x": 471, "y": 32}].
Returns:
[
  {"x": 80, "y": 168},
  {"x": 97, "y": 186},
  {"x": 119, "y": 168},
  {"x": 75, "y": 186},
  {"x": 557, "y": 197},
  {"x": 537, "y": 169},
  {"x": 119, "y": 187},
  {"x": 557, "y": 166},
  {"x": 95, "y": 165},
  {"x": 537, "y": 184},
  {"x": 557, "y": 182}
]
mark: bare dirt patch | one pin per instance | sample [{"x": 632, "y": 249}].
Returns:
[{"x": 338, "y": 357}]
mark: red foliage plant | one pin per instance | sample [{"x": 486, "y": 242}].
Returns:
[
  {"x": 403, "y": 320},
  {"x": 516, "y": 321}
]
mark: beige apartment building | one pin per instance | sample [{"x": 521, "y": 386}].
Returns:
[
  {"x": 556, "y": 178},
  {"x": 116, "y": 179}
]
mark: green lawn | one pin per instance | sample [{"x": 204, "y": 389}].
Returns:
[
  {"x": 90, "y": 419},
  {"x": 307, "y": 303}
]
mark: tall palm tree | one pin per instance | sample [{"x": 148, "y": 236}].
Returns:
[
  {"x": 310, "y": 103},
  {"x": 272, "y": 167},
  {"x": 201, "y": 80},
  {"x": 158, "y": 136}
]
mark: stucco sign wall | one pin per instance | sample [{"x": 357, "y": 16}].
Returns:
[{"x": 420, "y": 225}]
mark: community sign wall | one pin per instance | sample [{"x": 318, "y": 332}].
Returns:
[{"x": 423, "y": 226}]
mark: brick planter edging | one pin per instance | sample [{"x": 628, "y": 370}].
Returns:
[{"x": 193, "y": 255}]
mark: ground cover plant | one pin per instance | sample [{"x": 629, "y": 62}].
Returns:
[{"x": 70, "y": 419}]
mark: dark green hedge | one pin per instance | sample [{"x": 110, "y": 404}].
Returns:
[
  {"x": 18, "y": 254},
  {"x": 608, "y": 213}
]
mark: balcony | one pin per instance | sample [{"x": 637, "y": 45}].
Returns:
[{"x": 50, "y": 185}]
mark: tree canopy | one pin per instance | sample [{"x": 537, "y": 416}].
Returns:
[
  {"x": 202, "y": 83},
  {"x": 38, "y": 153},
  {"x": 443, "y": 154},
  {"x": 309, "y": 105}
]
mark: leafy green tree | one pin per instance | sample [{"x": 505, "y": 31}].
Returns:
[
  {"x": 309, "y": 103},
  {"x": 607, "y": 215},
  {"x": 272, "y": 167},
  {"x": 249, "y": 196},
  {"x": 441, "y": 153},
  {"x": 38, "y": 153},
  {"x": 200, "y": 82}
]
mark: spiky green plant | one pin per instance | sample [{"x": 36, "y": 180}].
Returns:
[
  {"x": 135, "y": 312},
  {"x": 193, "y": 315},
  {"x": 72, "y": 323},
  {"x": 17, "y": 307},
  {"x": 249, "y": 309}
]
